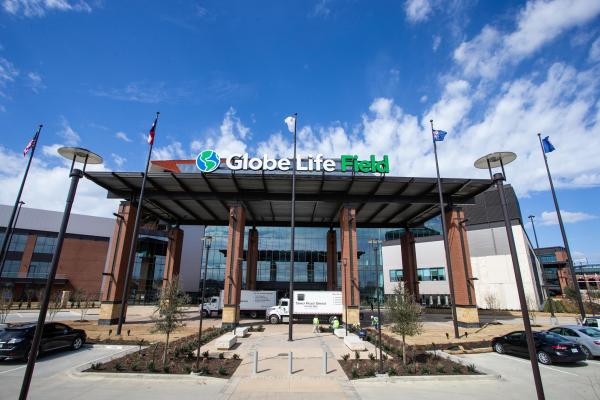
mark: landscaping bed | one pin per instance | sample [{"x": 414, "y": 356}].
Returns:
[
  {"x": 423, "y": 364},
  {"x": 181, "y": 359}
]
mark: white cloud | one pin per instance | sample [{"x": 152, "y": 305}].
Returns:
[
  {"x": 568, "y": 217},
  {"x": 538, "y": 23},
  {"x": 71, "y": 137},
  {"x": 39, "y": 8},
  {"x": 594, "y": 54},
  {"x": 35, "y": 82},
  {"x": 118, "y": 160},
  {"x": 321, "y": 9},
  {"x": 8, "y": 74},
  {"x": 172, "y": 151},
  {"x": 48, "y": 184},
  {"x": 229, "y": 139},
  {"x": 140, "y": 92},
  {"x": 417, "y": 10},
  {"x": 437, "y": 40},
  {"x": 122, "y": 136}
]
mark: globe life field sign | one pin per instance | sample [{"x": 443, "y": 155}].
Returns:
[{"x": 208, "y": 161}]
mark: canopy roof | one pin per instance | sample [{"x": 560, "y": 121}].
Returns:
[{"x": 205, "y": 199}]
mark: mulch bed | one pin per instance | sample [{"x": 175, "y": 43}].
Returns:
[
  {"x": 180, "y": 359},
  {"x": 419, "y": 364},
  {"x": 392, "y": 342}
]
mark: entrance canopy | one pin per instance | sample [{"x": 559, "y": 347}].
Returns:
[{"x": 195, "y": 198}]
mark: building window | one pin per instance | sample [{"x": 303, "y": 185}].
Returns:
[
  {"x": 11, "y": 268},
  {"x": 45, "y": 245},
  {"x": 38, "y": 270},
  {"x": 396, "y": 275},
  {"x": 548, "y": 258},
  {"x": 17, "y": 242},
  {"x": 431, "y": 274}
]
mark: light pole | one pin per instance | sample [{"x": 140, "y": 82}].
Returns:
[
  {"x": 495, "y": 160},
  {"x": 531, "y": 217},
  {"x": 345, "y": 264},
  {"x": 207, "y": 242},
  {"x": 10, "y": 236},
  {"x": 375, "y": 243},
  {"x": 75, "y": 154},
  {"x": 292, "y": 239}
]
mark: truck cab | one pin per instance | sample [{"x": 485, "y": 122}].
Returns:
[
  {"x": 277, "y": 313},
  {"x": 212, "y": 306}
]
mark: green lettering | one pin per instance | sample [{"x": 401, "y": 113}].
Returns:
[
  {"x": 347, "y": 161},
  {"x": 364, "y": 166}
]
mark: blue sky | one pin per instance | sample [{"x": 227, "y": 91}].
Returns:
[{"x": 365, "y": 77}]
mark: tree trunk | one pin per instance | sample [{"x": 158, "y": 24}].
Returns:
[
  {"x": 166, "y": 350},
  {"x": 403, "y": 350}
]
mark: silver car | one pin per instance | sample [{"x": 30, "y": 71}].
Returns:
[{"x": 587, "y": 337}]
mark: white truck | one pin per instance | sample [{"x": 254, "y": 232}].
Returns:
[
  {"x": 324, "y": 304},
  {"x": 252, "y": 302}
]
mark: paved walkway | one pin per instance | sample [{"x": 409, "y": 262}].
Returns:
[{"x": 273, "y": 380}]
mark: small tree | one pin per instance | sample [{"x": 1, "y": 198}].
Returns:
[
  {"x": 405, "y": 316},
  {"x": 492, "y": 301},
  {"x": 532, "y": 308},
  {"x": 169, "y": 312},
  {"x": 54, "y": 306},
  {"x": 6, "y": 303},
  {"x": 82, "y": 299}
]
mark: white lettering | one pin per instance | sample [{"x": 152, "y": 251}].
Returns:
[
  {"x": 284, "y": 164},
  {"x": 234, "y": 162},
  {"x": 329, "y": 165}
]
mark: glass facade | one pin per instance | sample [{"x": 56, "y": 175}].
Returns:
[
  {"x": 148, "y": 268},
  {"x": 45, "y": 244},
  {"x": 423, "y": 274}
]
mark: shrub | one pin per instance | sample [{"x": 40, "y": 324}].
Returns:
[
  {"x": 371, "y": 357},
  {"x": 205, "y": 354},
  {"x": 135, "y": 367},
  {"x": 346, "y": 357},
  {"x": 425, "y": 370},
  {"x": 222, "y": 370},
  {"x": 119, "y": 367},
  {"x": 188, "y": 369},
  {"x": 151, "y": 366},
  {"x": 354, "y": 373},
  {"x": 384, "y": 357},
  {"x": 96, "y": 366},
  {"x": 356, "y": 355},
  {"x": 221, "y": 356},
  {"x": 456, "y": 369},
  {"x": 166, "y": 369},
  {"x": 440, "y": 369},
  {"x": 235, "y": 356},
  {"x": 370, "y": 372},
  {"x": 471, "y": 368},
  {"x": 392, "y": 371}
]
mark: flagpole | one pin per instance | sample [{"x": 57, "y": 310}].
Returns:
[
  {"x": 12, "y": 232},
  {"x": 134, "y": 240},
  {"x": 11, "y": 220},
  {"x": 291, "y": 300},
  {"x": 564, "y": 234},
  {"x": 445, "y": 236}
]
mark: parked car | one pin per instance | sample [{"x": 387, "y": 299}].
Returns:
[
  {"x": 594, "y": 322},
  {"x": 549, "y": 347},
  {"x": 15, "y": 340},
  {"x": 588, "y": 338}
]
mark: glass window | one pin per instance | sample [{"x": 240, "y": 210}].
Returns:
[
  {"x": 17, "y": 242},
  {"x": 11, "y": 268},
  {"x": 38, "y": 269},
  {"x": 45, "y": 244},
  {"x": 396, "y": 275},
  {"x": 548, "y": 257}
]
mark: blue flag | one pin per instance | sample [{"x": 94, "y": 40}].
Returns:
[
  {"x": 548, "y": 148},
  {"x": 438, "y": 135}
]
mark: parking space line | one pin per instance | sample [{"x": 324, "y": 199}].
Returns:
[
  {"x": 100, "y": 358},
  {"x": 541, "y": 365},
  {"x": 11, "y": 370}
]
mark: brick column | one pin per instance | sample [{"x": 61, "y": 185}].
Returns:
[
  {"x": 252, "y": 259},
  {"x": 332, "y": 260},
  {"x": 409, "y": 265},
  {"x": 233, "y": 267},
  {"x": 173, "y": 258},
  {"x": 350, "y": 292},
  {"x": 116, "y": 267},
  {"x": 27, "y": 254},
  {"x": 460, "y": 260}
]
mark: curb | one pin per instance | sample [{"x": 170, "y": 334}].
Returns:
[{"x": 429, "y": 378}]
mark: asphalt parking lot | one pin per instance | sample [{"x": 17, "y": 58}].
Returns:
[
  {"x": 562, "y": 381},
  {"x": 53, "y": 380}
]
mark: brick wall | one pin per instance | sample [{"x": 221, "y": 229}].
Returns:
[{"x": 82, "y": 261}]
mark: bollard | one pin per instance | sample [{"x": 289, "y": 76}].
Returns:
[
  {"x": 324, "y": 369},
  {"x": 290, "y": 363},
  {"x": 255, "y": 362}
]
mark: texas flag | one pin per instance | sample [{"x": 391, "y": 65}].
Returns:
[
  {"x": 152, "y": 131},
  {"x": 438, "y": 135}
]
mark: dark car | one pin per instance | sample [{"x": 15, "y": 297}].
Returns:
[
  {"x": 15, "y": 340},
  {"x": 549, "y": 347}
]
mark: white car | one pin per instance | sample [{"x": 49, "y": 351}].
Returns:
[
  {"x": 587, "y": 337},
  {"x": 594, "y": 322}
]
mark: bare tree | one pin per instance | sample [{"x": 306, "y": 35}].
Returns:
[
  {"x": 532, "y": 308},
  {"x": 54, "y": 306},
  {"x": 169, "y": 312},
  {"x": 82, "y": 299},
  {"x": 493, "y": 303},
  {"x": 405, "y": 316},
  {"x": 6, "y": 302}
]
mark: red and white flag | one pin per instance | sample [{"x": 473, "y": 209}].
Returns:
[
  {"x": 152, "y": 131},
  {"x": 30, "y": 145}
]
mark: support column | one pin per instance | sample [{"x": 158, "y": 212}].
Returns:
[
  {"x": 409, "y": 265},
  {"x": 460, "y": 260},
  {"x": 173, "y": 258},
  {"x": 350, "y": 291},
  {"x": 233, "y": 267},
  {"x": 252, "y": 259},
  {"x": 116, "y": 267},
  {"x": 332, "y": 260}
]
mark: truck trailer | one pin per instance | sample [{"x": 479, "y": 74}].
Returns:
[{"x": 253, "y": 303}]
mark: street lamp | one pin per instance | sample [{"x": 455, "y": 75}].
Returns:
[
  {"x": 75, "y": 154},
  {"x": 207, "y": 242},
  {"x": 375, "y": 243},
  {"x": 345, "y": 264},
  {"x": 495, "y": 160}
]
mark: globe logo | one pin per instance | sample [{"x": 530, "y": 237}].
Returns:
[{"x": 208, "y": 161}]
